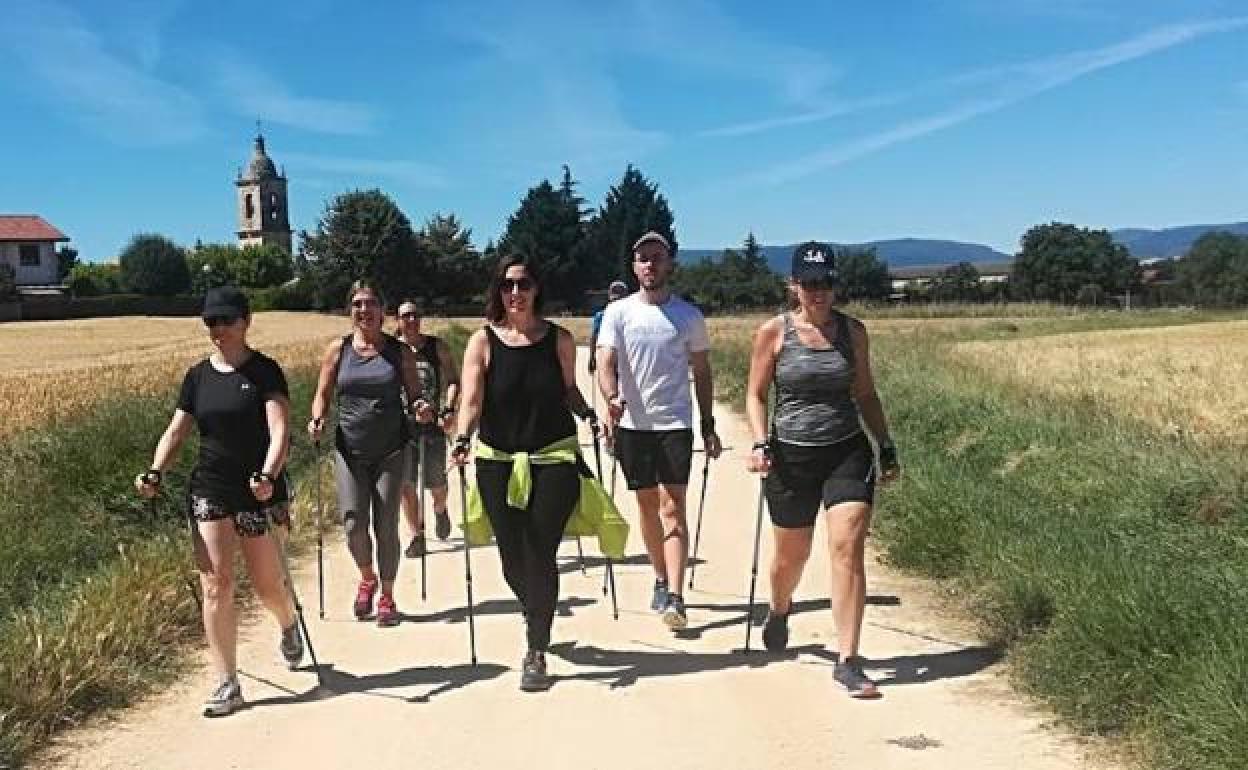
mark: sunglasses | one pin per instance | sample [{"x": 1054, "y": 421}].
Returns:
[
  {"x": 364, "y": 302},
  {"x": 219, "y": 320},
  {"x": 511, "y": 284},
  {"x": 815, "y": 284},
  {"x": 410, "y": 316}
]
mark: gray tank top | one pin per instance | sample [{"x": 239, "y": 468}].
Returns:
[
  {"x": 814, "y": 401},
  {"x": 371, "y": 419}
]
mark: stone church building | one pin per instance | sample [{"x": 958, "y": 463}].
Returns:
[{"x": 262, "y": 209}]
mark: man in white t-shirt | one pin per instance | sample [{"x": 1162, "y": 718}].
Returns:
[{"x": 646, "y": 346}]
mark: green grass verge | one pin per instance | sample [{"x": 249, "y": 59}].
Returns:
[
  {"x": 94, "y": 604},
  {"x": 1109, "y": 559}
]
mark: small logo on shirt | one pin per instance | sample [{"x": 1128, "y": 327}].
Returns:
[{"x": 245, "y": 386}]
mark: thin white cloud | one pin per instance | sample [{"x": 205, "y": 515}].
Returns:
[
  {"x": 834, "y": 110},
  {"x": 254, "y": 93},
  {"x": 71, "y": 65},
  {"x": 364, "y": 171},
  {"x": 1018, "y": 82}
]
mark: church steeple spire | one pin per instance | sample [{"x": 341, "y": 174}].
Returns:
[{"x": 262, "y": 214}]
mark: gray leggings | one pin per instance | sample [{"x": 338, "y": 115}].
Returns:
[{"x": 370, "y": 493}]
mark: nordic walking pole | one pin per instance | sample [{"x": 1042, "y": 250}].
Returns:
[
  {"x": 609, "y": 576},
  {"x": 320, "y": 537},
  {"x": 758, "y": 533},
  {"x": 280, "y": 543},
  {"x": 463, "y": 497},
  {"x": 422, "y": 445},
  {"x": 154, "y": 479},
  {"x": 580, "y": 555},
  {"x": 697, "y": 537}
]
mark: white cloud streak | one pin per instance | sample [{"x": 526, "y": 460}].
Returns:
[
  {"x": 254, "y": 93},
  {"x": 72, "y": 66},
  {"x": 1017, "y": 83},
  {"x": 414, "y": 173}
]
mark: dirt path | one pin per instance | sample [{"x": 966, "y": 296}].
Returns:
[{"x": 629, "y": 694}]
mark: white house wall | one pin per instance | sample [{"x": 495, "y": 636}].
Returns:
[{"x": 45, "y": 273}]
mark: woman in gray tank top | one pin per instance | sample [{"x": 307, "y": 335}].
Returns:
[
  {"x": 374, "y": 381},
  {"x": 814, "y": 453}
]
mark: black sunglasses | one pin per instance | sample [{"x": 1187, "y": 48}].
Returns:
[
  {"x": 815, "y": 284},
  {"x": 511, "y": 284},
  {"x": 219, "y": 320},
  {"x": 410, "y": 316}
]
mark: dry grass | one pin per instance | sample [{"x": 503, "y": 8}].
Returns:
[
  {"x": 1189, "y": 380},
  {"x": 55, "y": 370}
]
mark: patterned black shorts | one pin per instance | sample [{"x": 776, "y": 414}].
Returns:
[{"x": 246, "y": 523}]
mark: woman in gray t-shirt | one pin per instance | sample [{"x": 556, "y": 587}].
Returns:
[
  {"x": 814, "y": 452},
  {"x": 372, "y": 377}
]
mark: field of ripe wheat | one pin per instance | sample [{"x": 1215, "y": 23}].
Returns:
[
  {"x": 1188, "y": 380},
  {"x": 51, "y": 371}
]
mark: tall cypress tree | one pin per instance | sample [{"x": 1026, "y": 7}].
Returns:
[
  {"x": 632, "y": 207},
  {"x": 548, "y": 228}
]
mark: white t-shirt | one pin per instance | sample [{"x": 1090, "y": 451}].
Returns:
[{"x": 652, "y": 344}]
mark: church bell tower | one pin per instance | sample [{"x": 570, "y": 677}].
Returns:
[{"x": 262, "y": 212}]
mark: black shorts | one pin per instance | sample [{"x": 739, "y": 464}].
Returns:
[
  {"x": 805, "y": 478},
  {"x": 652, "y": 457},
  {"x": 246, "y": 523}
]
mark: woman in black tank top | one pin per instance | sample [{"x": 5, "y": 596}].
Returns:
[
  {"x": 814, "y": 453},
  {"x": 519, "y": 383}
]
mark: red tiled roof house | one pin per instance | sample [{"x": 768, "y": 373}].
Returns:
[{"x": 28, "y": 243}]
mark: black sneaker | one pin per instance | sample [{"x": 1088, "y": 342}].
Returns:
[
  {"x": 674, "y": 616},
  {"x": 292, "y": 645},
  {"x": 776, "y": 631},
  {"x": 442, "y": 525},
  {"x": 533, "y": 676},
  {"x": 225, "y": 699},
  {"x": 849, "y": 674},
  {"x": 658, "y": 602},
  {"x": 416, "y": 548}
]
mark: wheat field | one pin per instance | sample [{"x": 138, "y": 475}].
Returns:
[
  {"x": 53, "y": 370},
  {"x": 1187, "y": 380}
]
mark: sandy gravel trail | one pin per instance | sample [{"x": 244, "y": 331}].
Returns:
[{"x": 629, "y": 693}]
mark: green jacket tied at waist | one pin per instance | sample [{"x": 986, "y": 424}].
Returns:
[{"x": 595, "y": 514}]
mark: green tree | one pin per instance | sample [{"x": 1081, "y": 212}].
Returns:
[
  {"x": 457, "y": 271},
  {"x": 957, "y": 283},
  {"x": 1057, "y": 261},
  {"x": 362, "y": 234},
  {"x": 93, "y": 280},
  {"x": 260, "y": 266},
  {"x": 631, "y": 208},
  {"x": 66, "y": 258},
  {"x": 211, "y": 265},
  {"x": 861, "y": 274},
  {"x": 1215, "y": 270},
  {"x": 548, "y": 228},
  {"x": 738, "y": 280},
  {"x": 154, "y": 265}
]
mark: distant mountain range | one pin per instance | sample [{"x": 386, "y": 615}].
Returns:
[{"x": 924, "y": 252}]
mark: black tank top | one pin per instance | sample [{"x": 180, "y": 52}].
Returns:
[{"x": 525, "y": 406}]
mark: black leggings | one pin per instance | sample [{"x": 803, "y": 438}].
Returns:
[{"x": 528, "y": 540}]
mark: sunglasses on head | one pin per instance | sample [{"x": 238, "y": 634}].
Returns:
[
  {"x": 815, "y": 284},
  {"x": 364, "y": 302},
  {"x": 219, "y": 320},
  {"x": 511, "y": 284}
]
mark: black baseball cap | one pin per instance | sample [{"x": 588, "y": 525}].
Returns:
[
  {"x": 225, "y": 301},
  {"x": 813, "y": 261},
  {"x": 653, "y": 237}
]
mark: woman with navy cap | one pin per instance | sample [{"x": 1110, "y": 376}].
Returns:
[{"x": 815, "y": 453}]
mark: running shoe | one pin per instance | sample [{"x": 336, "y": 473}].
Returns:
[
  {"x": 533, "y": 676},
  {"x": 416, "y": 548},
  {"x": 659, "y": 601},
  {"x": 292, "y": 645},
  {"x": 387, "y": 613},
  {"x": 849, "y": 675},
  {"x": 776, "y": 631},
  {"x": 442, "y": 524},
  {"x": 364, "y": 599},
  {"x": 674, "y": 616},
  {"x": 225, "y": 699}
]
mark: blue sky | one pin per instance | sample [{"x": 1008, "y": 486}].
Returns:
[{"x": 966, "y": 119}]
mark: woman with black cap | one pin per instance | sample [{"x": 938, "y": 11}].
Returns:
[
  {"x": 815, "y": 453},
  {"x": 239, "y": 400}
]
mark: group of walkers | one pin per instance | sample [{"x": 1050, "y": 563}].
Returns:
[{"x": 398, "y": 397}]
